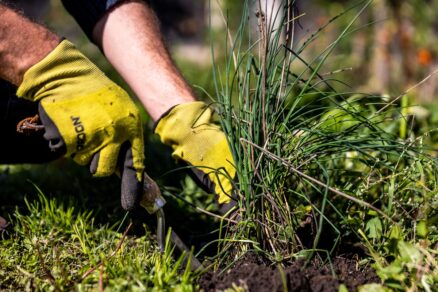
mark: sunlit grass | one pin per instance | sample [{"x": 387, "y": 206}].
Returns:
[{"x": 57, "y": 247}]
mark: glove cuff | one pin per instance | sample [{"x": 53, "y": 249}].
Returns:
[
  {"x": 175, "y": 125},
  {"x": 46, "y": 76},
  {"x": 154, "y": 128}
]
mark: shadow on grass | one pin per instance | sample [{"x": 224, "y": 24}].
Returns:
[{"x": 73, "y": 185}]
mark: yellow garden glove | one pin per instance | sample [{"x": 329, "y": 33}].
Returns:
[
  {"x": 189, "y": 129},
  {"x": 88, "y": 116}
]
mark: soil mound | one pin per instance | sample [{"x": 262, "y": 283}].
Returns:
[{"x": 254, "y": 275}]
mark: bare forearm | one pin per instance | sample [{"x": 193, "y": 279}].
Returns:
[
  {"x": 22, "y": 44},
  {"x": 130, "y": 38}
]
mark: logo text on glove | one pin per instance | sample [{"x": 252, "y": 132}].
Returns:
[{"x": 80, "y": 133}]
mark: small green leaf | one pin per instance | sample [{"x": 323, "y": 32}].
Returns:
[
  {"x": 422, "y": 229},
  {"x": 342, "y": 288},
  {"x": 395, "y": 232},
  {"x": 372, "y": 213},
  {"x": 373, "y": 287},
  {"x": 409, "y": 253},
  {"x": 393, "y": 271},
  {"x": 374, "y": 228}
]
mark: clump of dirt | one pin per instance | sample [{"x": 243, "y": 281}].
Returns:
[
  {"x": 3, "y": 224},
  {"x": 254, "y": 275}
]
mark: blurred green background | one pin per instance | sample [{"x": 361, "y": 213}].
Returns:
[{"x": 392, "y": 48}]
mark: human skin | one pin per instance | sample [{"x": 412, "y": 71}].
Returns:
[
  {"x": 22, "y": 44},
  {"x": 128, "y": 35},
  {"x": 130, "y": 38}
]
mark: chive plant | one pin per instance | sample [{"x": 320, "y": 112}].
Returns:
[{"x": 314, "y": 159}]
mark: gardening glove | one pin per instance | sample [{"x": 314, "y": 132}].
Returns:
[
  {"x": 189, "y": 129},
  {"x": 88, "y": 116}
]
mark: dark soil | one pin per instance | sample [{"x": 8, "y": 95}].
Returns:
[{"x": 254, "y": 275}]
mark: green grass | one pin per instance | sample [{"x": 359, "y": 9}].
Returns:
[{"x": 55, "y": 247}]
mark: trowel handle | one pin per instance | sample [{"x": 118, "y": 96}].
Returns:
[{"x": 151, "y": 200}]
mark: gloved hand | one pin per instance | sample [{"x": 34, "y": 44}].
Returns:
[
  {"x": 189, "y": 129},
  {"x": 88, "y": 116}
]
